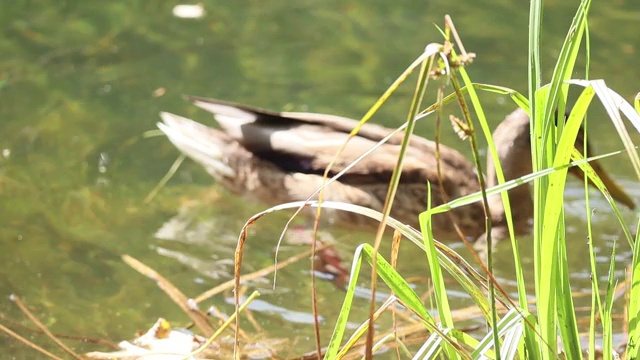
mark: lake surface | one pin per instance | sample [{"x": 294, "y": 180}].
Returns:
[{"x": 82, "y": 82}]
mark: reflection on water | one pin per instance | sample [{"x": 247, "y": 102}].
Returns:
[{"x": 84, "y": 80}]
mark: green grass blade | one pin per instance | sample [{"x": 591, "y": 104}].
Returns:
[
  {"x": 431, "y": 348},
  {"x": 505, "y": 200},
  {"x": 521, "y": 101},
  {"x": 343, "y": 316},
  {"x": 548, "y": 209},
  {"x": 518, "y": 98},
  {"x": 472, "y": 198},
  {"x": 567, "y": 321},
  {"x": 511, "y": 322},
  {"x": 614, "y": 104},
  {"x": 611, "y": 98},
  {"x": 439, "y": 287},
  {"x": 535, "y": 22},
  {"x": 552, "y": 291},
  {"x": 396, "y": 283},
  {"x": 512, "y": 340},
  {"x": 633, "y": 311},
  {"x": 607, "y": 319},
  {"x": 563, "y": 69},
  {"x": 596, "y": 303}
]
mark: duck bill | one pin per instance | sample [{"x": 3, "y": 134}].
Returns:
[{"x": 614, "y": 189}]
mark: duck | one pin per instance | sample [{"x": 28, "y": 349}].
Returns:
[{"x": 277, "y": 157}]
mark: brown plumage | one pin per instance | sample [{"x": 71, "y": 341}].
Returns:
[{"x": 278, "y": 157}]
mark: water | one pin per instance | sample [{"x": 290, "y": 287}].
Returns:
[{"x": 81, "y": 82}]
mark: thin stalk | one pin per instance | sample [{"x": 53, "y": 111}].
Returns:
[
  {"x": 535, "y": 21},
  {"x": 596, "y": 303},
  {"x": 393, "y": 187},
  {"x": 487, "y": 211}
]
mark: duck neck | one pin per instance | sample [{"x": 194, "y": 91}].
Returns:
[{"x": 514, "y": 153}]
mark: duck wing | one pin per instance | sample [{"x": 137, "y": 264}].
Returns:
[{"x": 307, "y": 143}]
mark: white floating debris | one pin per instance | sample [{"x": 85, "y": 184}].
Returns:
[{"x": 184, "y": 11}]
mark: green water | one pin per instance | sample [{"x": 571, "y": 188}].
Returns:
[{"x": 81, "y": 82}]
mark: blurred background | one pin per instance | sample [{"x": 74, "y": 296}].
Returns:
[{"x": 82, "y": 81}]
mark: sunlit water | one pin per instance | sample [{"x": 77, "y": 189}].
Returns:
[{"x": 80, "y": 82}]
